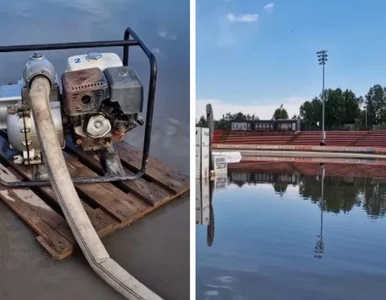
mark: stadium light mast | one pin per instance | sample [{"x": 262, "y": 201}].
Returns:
[{"x": 322, "y": 59}]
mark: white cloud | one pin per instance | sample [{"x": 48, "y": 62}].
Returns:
[
  {"x": 269, "y": 7},
  {"x": 264, "y": 110},
  {"x": 96, "y": 7},
  {"x": 166, "y": 35},
  {"x": 242, "y": 18},
  {"x": 292, "y": 190},
  {"x": 159, "y": 54}
]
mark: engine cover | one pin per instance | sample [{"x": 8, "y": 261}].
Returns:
[
  {"x": 125, "y": 88},
  {"x": 93, "y": 60},
  {"x": 84, "y": 91}
]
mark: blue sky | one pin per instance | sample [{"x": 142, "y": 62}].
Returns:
[{"x": 254, "y": 55}]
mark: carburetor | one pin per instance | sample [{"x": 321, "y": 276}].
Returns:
[{"x": 100, "y": 100}]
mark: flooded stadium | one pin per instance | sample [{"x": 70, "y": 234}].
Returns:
[{"x": 267, "y": 230}]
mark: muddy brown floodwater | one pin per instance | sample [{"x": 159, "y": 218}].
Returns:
[{"x": 155, "y": 249}]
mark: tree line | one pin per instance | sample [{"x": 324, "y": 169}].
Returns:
[
  {"x": 341, "y": 195},
  {"x": 343, "y": 110}
]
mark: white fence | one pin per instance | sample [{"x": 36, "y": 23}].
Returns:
[{"x": 202, "y": 152}]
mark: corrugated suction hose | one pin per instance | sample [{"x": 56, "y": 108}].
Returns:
[{"x": 69, "y": 201}]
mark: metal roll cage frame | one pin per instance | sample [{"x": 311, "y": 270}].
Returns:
[{"x": 130, "y": 39}]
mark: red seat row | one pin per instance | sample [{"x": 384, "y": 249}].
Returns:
[{"x": 333, "y": 138}]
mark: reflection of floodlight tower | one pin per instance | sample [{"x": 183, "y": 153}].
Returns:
[
  {"x": 319, "y": 247},
  {"x": 322, "y": 59}
]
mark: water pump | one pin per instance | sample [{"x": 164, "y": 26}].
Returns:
[{"x": 94, "y": 103}]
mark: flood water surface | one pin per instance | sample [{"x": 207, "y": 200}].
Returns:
[
  {"x": 155, "y": 249},
  {"x": 273, "y": 236}
]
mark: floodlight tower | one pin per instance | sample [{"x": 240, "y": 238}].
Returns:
[{"x": 322, "y": 59}]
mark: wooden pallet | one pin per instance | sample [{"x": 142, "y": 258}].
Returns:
[{"x": 109, "y": 206}]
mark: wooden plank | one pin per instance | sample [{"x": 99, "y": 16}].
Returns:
[
  {"x": 150, "y": 209},
  {"x": 113, "y": 200},
  {"x": 149, "y": 192},
  {"x": 101, "y": 221},
  {"x": 38, "y": 215},
  {"x": 168, "y": 177},
  {"x": 54, "y": 254},
  {"x": 109, "y": 206},
  {"x": 37, "y": 205}
]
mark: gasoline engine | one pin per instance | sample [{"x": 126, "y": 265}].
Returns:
[{"x": 96, "y": 102}]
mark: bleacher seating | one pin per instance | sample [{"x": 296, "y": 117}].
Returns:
[
  {"x": 258, "y": 138},
  {"x": 217, "y": 135},
  {"x": 375, "y": 139},
  {"x": 333, "y": 138},
  {"x": 343, "y": 138}
]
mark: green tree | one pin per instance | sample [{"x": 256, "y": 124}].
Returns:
[
  {"x": 352, "y": 105},
  {"x": 280, "y": 114},
  {"x": 341, "y": 108},
  {"x": 280, "y": 188},
  {"x": 375, "y": 198},
  {"x": 339, "y": 195},
  {"x": 375, "y": 101},
  {"x": 310, "y": 112},
  {"x": 202, "y": 122}
]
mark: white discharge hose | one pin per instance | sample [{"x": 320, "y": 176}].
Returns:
[{"x": 69, "y": 201}]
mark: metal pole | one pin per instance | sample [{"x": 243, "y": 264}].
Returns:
[
  {"x": 322, "y": 202},
  {"x": 323, "y": 112},
  {"x": 322, "y": 58},
  {"x": 319, "y": 248},
  {"x": 322, "y": 210},
  {"x": 366, "y": 117}
]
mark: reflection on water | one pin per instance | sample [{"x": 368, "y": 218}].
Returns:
[
  {"x": 308, "y": 236},
  {"x": 341, "y": 194},
  {"x": 204, "y": 203}
]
